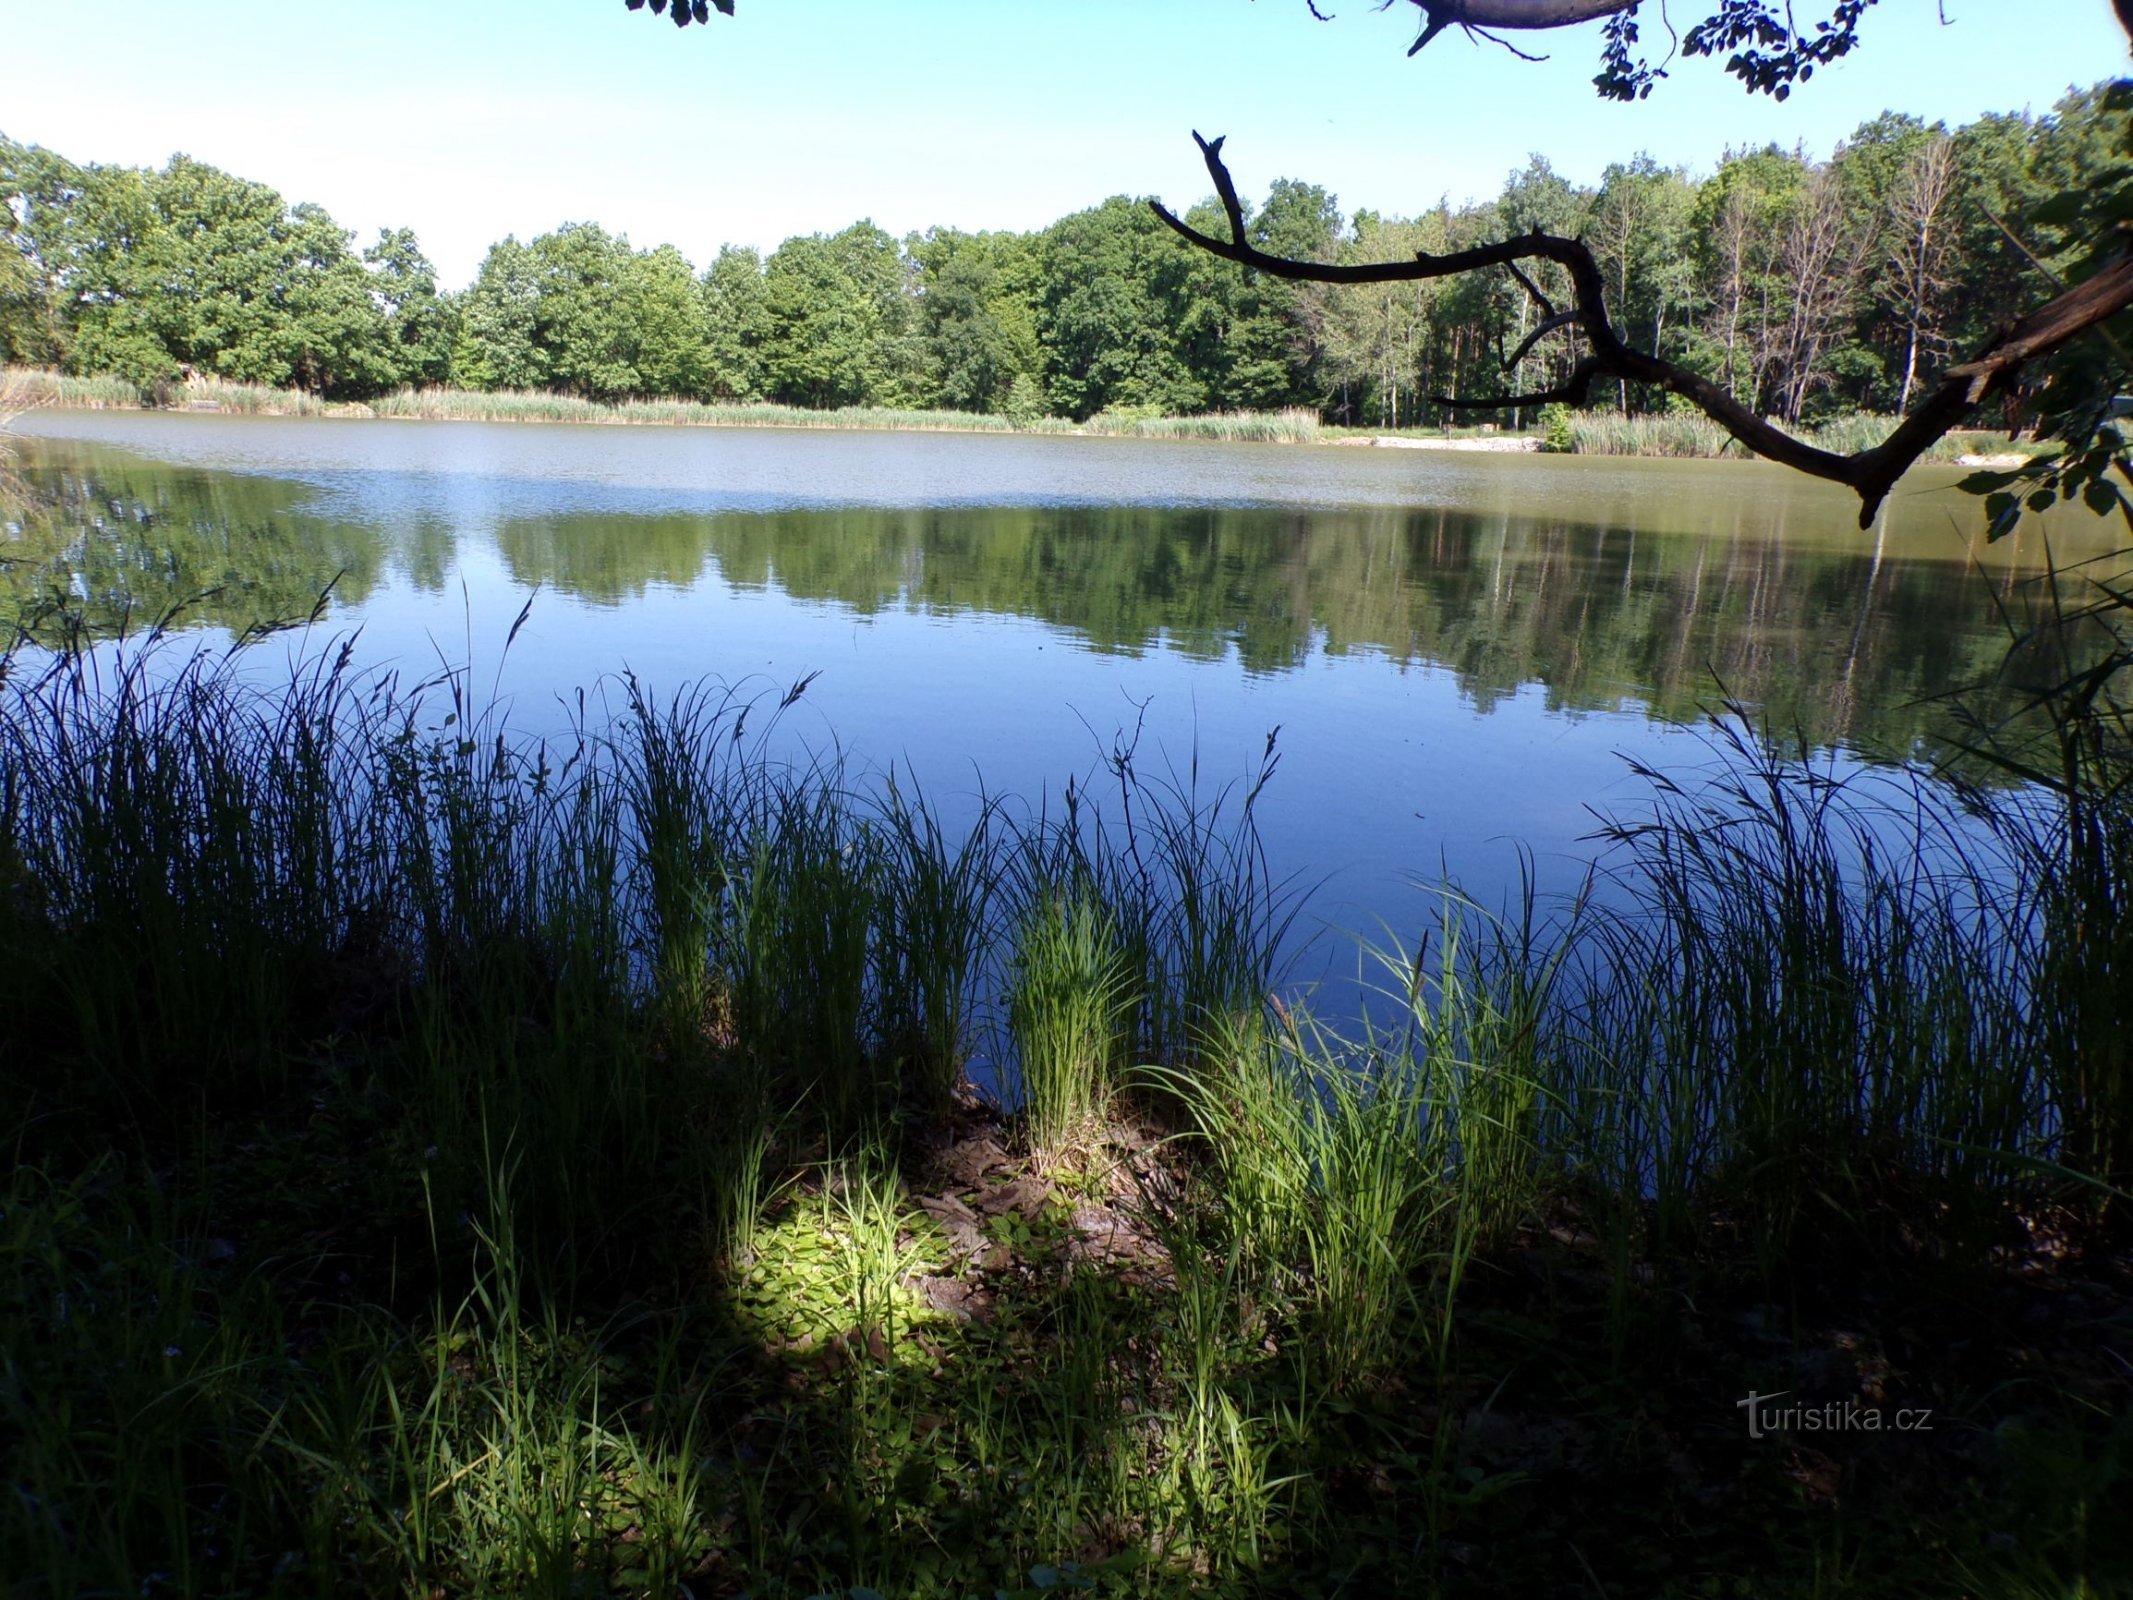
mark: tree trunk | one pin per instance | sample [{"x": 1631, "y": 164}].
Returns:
[{"x": 1910, "y": 367}]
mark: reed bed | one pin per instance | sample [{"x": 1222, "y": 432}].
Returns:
[
  {"x": 201, "y": 392},
  {"x": 20, "y": 391},
  {"x": 1604, "y": 433},
  {"x": 457, "y": 405},
  {"x": 1609, "y": 433},
  {"x": 1288, "y": 427},
  {"x": 453, "y": 1162},
  {"x": 1293, "y": 426},
  {"x": 29, "y": 386},
  {"x": 1475, "y": 431}
]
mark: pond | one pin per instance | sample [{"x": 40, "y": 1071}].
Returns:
[{"x": 1455, "y": 655}]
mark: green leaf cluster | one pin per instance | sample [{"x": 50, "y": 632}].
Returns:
[{"x": 154, "y": 274}]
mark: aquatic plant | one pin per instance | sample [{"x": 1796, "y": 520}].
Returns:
[{"x": 457, "y": 1161}]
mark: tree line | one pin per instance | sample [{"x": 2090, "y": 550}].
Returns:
[{"x": 1807, "y": 288}]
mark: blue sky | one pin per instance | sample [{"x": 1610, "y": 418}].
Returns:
[{"x": 804, "y": 115}]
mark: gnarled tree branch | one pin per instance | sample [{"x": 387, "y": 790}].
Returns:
[
  {"x": 1547, "y": 306},
  {"x": 1574, "y": 390},
  {"x": 1555, "y": 320},
  {"x": 1437, "y": 15},
  {"x": 1869, "y": 473}
]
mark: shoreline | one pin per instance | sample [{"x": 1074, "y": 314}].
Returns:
[
  {"x": 1593, "y": 434},
  {"x": 691, "y": 1191}
]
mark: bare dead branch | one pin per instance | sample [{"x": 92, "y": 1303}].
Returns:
[
  {"x": 1547, "y": 306},
  {"x": 1532, "y": 15},
  {"x": 1869, "y": 473},
  {"x": 1433, "y": 24},
  {"x": 1225, "y": 187},
  {"x": 1483, "y": 33},
  {"x": 1572, "y": 391},
  {"x": 1558, "y": 319}
]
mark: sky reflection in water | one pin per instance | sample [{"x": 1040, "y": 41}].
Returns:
[{"x": 1458, "y": 651}]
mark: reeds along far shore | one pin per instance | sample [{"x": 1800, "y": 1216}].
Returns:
[
  {"x": 202, "y": 392},
  {"x": 1694, "y": 436},
  {"x": 1595, "y": 432}
]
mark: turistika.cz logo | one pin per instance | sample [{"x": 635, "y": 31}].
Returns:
[{"x": 1766, "y": 1417}]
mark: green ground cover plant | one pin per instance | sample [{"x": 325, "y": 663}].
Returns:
[{"x": 448, "y": 1162}]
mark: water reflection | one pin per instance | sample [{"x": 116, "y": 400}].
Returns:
[
  {"x": 1456, "y": 678},
  {"x": 120, "y": 543},
  {"x": 1616, "y": 599},
  {"x": 1844, "y": 647}
]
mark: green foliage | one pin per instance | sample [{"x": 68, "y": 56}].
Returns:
[
  {"x": 1068, "y": 1010},
  {"x": 497, "y": 344},
  {"x": 1555, "y": 429},
  {"x": 271, "y": 293},
  {"x": 737, "y": 326},
  {"x": 578, "y": 311},
  {"x": 1809, "y": 290},
  {"x": 29, "y": 331},
  {"x": 420, "y": 323},
  {"x": 833, "y": 308},
  {"x": 475, "y": 1270},
  {"x": 1764, "y": 47},
  {"x": 660, "y": 304},
  {"x": 978, "y": 317},
  {"x": 1113, "y": 278},
  {"x": 1025, "y": 400}
]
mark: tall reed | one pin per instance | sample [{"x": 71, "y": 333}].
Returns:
[
  {"x": 29, "y": 386},
  {"x": 561, "y": 1093},
  {"x": 799, "y": 940},
  {"x": 937, "y": 922},
  {"x": 1291, "y": 426},
  {"x": 668, "y": 765},
  {"x": 1216, "y": 918},
  {"x": 1608, "y": 433},
  {"x": 1814, "y": 980},
  {"x": 1690, "y": 434},
  {"x": 196, "y": 846},
  {"x": 1069, "y": 1006},
  {"x": 1331, "y": 1172},
  {"x": 2069, "y": 651},
  {"x": 457, "y": 405}
]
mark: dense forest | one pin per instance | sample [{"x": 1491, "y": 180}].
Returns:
[{"x": 1809, "y": 288}]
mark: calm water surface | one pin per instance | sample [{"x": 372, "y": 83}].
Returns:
[{"x": 1458, "y": 651}]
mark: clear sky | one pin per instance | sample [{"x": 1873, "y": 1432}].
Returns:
[{"x": 470, "y": 119}]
